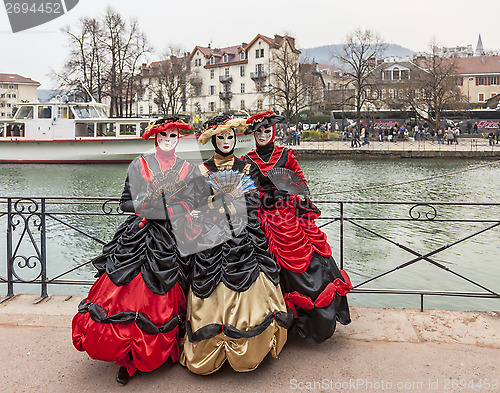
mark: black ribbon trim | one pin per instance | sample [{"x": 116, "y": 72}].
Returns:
[
  {"x": 284, "y": 319},
  {"x": 100, "y": 315}
]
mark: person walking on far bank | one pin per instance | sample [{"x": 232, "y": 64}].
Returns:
[
  {"x": 475, "y": 128},
  {"x": 456, "y": 133},
  {"x": 497, "y": 133}
]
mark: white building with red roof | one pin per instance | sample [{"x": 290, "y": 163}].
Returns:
[
  {"x": 235, "y": 77},
  {"x": 14, "y": 89}
]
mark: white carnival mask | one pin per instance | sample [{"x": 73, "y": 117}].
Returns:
[
  {"x": 263, "y": 135},
  {"x": 168, "y": 140},
  {"x": 226, "y": 141}
]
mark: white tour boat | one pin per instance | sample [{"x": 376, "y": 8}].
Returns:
[{"x": 81, "y": 132}]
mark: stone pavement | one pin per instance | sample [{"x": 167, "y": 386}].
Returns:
[
  {"x": 397, "y": 350},
  {"x": 467, "y": 147}
]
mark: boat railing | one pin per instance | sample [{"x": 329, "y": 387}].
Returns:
[{"x": 31, "y": 223}]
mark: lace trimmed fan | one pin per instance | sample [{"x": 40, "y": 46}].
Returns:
[
  {"x": 231, "y": 182},
  {"x": 164, "y": 184},
  {"x": 287, "y": 180}
]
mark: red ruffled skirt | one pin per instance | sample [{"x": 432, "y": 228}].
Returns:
[{"x": 129, "y": 324}]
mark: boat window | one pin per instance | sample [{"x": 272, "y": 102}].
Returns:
[
  {"x": 84, "y": 129},
  {"x": 14, "y": 130},
  {"x": 106, "y": 129},
  {"x": 44, "y": 112},
  {"x": 85, "y": 112},
  {"x": 143, "y": 128},
  {"x": 128, "y": 129},
  {"x": 101, "y": 112},
  {"x": 25, "y": 112},
  {"x": 62, "y": 112}
]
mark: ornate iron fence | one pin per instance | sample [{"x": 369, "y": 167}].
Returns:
[{"x": 27, "y": 218}]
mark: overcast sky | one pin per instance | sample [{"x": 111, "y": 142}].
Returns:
[{"x": 229, "y": 22}]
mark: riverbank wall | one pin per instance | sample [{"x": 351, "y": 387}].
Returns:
[{"x": 399, "y": 350}]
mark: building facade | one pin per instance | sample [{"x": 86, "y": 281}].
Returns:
[
  {"x": 235, "y": 78},
  {"x": 479, "y": 78},
  {"x": 13, "y": 90}
]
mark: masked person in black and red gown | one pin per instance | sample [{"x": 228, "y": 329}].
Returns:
[
  {"x": 134, "y": 312},
  {"x": 236, "y": 311},
  {"x": 313, "y": 286}
]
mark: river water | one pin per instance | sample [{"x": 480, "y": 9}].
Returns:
[{"x": 365, "y": 254}]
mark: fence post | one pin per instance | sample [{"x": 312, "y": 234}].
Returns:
[
  {"x": 43, "y": 252},
  {"x": 10, "y": 280},
  {"x": 342, "y": 235}
]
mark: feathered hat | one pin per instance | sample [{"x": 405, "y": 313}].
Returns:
[
  {"x": 163, "y": 124},
  {"x": 266, "y": 119},
  {"x": 209, "y": 130}
]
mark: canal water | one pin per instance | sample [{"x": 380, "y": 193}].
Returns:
[{"x": 365, "y": 255}]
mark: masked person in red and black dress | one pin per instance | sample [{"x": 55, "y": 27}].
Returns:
[
  {"x": 236, "y": 311},
  {"x": 313, "y": 286},
  {"x": 134, "y": 312}
]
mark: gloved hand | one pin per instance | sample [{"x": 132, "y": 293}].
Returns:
[{"x": 280, "y": 195}]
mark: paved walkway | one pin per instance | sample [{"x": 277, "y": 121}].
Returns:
[
  {"x": 467, "y": 147},
  {"x": 381, "y": 350}
]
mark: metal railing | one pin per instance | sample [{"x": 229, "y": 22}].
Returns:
[{"x": 28, "y": 217}]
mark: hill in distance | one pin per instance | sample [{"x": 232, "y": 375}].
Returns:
[{"x": 324, "y": 54}]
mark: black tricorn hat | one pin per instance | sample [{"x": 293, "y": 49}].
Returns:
[{"x": 266, "y": 119}]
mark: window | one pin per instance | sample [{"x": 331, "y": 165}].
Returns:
[
  {"x": 405, "y": 74},
  {"x": 197, "y": 90},
  {"x": 242, "y": 70},
  {"x": 197, "y": 62},
  {"x": 12, "y": 87},
  {"x": 212, "y": 74},
  {"x": 386, "y": 75},
  {"x": 8, "y": 95},
  {"x": 44, "y": 112},
  {"x": 259, "y": 105},
  {"x": 212, "y": 60},
  {"x": 225, "y": 58},
  {"x": 141, "y": 110},
  {"x": 211, "y": 106},
  {"x": 460, "y": 81},
  {"x": 242, "y": 55},
  {"x": 481, "y": 96},
  {"x": 212, "y": 90},
  {"x": 242, "y": 89},
  {"x": 242, "y": 104},
  {"x": 259, "y": 68},
  {"x": 480, "y": 80},
  {"x": 14, "y": 95},
  {"x": 226, "y": 71},
  {"x": 395, "y": 73},
  {"x": 328, "y": 86},
  {"x": 25, "y": 112},
  {"x": 493, "y": 94},
  {"x": 258, "y": 86},
  {"x": 128, "y": 129},
  {"x": 259, "y": 53},
  {"x": 62, "y": 112},
  {"x": 9, "y": 105}
]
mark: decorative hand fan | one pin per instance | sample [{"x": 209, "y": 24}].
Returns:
[
  {"x": 287, "y": 180},
  {"x": 164, "y": 184},
  {"x": 231, "y": 182}
]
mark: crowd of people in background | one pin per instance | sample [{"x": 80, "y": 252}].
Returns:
[{"x": 448, "y": 134}]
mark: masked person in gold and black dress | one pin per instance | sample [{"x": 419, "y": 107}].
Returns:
[
  {"x": 236, "y": 310},
  {"x": 134, "y": 311},
  {"x": 313, "y": 286}
]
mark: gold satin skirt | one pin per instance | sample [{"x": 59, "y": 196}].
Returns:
[{"x": 244, "y": 311}]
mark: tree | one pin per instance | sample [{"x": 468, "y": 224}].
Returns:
[
  {"x": 435, "y": 88},
  {"x": 294, "y": 86},
  {"x": 83, "y": 73},
  {"x": 103, "y": 60},
  {"x": 359, "y": 55},
  {"x": 170, "y": 82}
]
